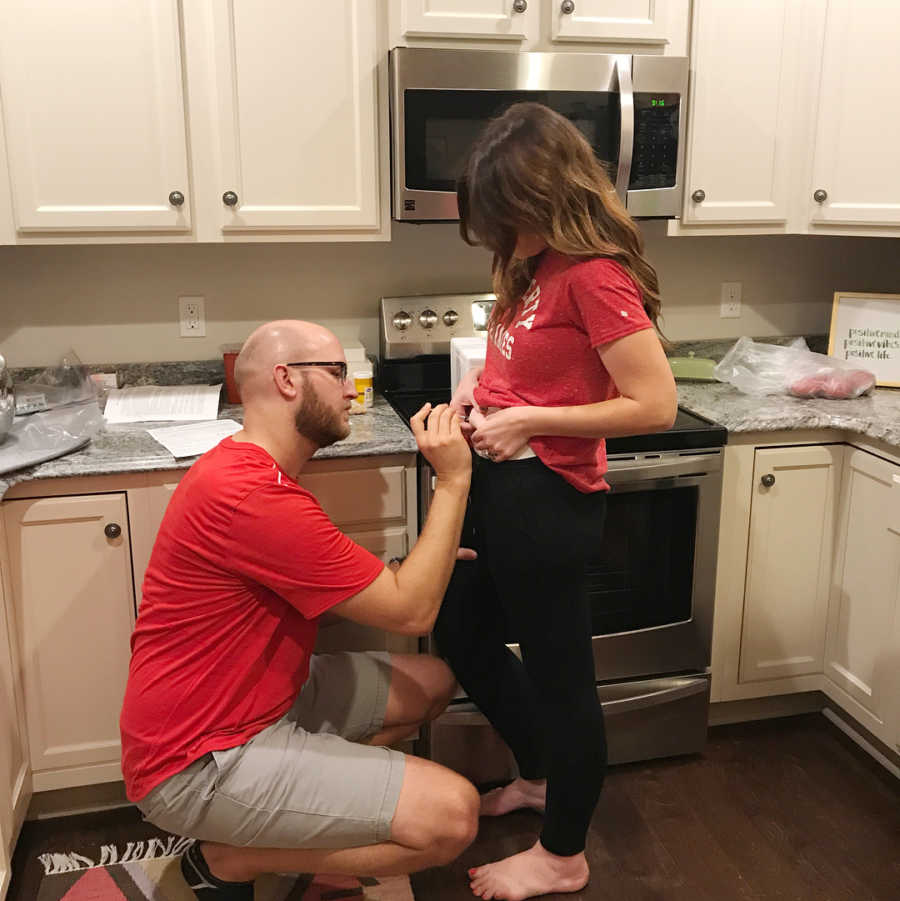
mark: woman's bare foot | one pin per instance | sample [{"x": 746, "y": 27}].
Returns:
[
  {"x": 519, "y": 793},
  {"x": 533, "y": 872}
]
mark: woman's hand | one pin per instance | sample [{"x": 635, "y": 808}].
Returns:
[
  {"x": 463, "y": 401},
  {"x": 500, "y": 434}
]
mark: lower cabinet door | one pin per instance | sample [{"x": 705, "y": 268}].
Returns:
[
  {"x": 862, "y": 662},
  {"x": 789, "y": 561},
  {"x": 349, "y": 636},
  {"x": 70, "y": 561}
]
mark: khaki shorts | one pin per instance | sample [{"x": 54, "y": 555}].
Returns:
[{"x": 304, "y": 781}]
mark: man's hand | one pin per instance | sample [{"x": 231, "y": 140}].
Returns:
[
  {"x": 441, "y": 441},
  {"x": 463, "y": 400}
]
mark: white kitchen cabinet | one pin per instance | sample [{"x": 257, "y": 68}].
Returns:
[
  {"x": 15, "y": 773},
  {"x": 618, "y": 21},
  {"x": 858, "y": 130},
  {"x": 772, "y": 575},
  {"x": 146, "y": 507},
  {"x": 7, "y": 228},
  {"x": 294, "y": 114},
  {"x": 745, "y": 60},
  {"x": 73, "y": 603},
  {"x": 510, "y": 19},
  {"x": 345, "y": 635},
  {"x": 615, "y": 22},
  {"x": 788, "y": 132},
  {"x": 788, "y": 577},
  {"x": 287, "y": 126},
  {"x": 94, "y": 115},
  {"x": 862, "y": 662}
]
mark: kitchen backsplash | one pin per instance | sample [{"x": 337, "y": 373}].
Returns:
[
  {"x": 211, "y": 372},
  {"x": 120, "y": 302}
]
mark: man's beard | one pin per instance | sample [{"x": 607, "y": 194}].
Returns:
[{"x": 318, "y": 423}]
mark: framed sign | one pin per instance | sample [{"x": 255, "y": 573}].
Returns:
[{"x": 865, "y": 331}]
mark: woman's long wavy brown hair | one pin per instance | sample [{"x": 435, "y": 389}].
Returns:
[{"x": 532, "y": 171}]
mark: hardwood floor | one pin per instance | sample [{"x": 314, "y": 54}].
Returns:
[{"x": 778, "y": 809}]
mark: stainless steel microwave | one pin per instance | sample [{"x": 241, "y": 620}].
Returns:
[{"x": 630, "y": 108}]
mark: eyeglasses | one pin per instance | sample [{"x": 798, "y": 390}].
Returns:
[{"x": 340, "y": 375}]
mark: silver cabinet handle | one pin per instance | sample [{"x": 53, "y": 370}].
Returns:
[
  {"x": 698, "y": 196},
  {"x": 520, "y": 6},
  {"x": 229, "y": 198},
  {"x": 768, "y": 480},
  {"x": 176, "y": 198},
  {"x": 820, "y": 196},
  {"x": 567, "y": 8}
]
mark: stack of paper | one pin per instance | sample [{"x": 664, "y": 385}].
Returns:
[
  {"x": 181, "y": 403},
  {"x": 196, "y": 438}
]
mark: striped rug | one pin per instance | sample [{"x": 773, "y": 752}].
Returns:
[{"x": 149, "y": 871}]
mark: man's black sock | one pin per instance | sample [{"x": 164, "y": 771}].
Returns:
[{"x": 206, "y": 886}]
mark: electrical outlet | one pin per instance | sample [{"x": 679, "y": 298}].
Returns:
[
  {"x": 192, "y": 317},
  {"x": 731, "y": 300}
]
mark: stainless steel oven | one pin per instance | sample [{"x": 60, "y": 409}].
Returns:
[
  {"x": 630, "y": 108},
  {"x": 652, "y": 582}
]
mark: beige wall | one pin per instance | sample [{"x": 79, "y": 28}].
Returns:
[{"x": 118, "y": 303}]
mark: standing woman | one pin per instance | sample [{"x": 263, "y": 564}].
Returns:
[{"x": 572, "y": 359}]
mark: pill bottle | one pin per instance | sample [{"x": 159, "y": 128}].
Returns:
[{"x": 362, "y": 380}]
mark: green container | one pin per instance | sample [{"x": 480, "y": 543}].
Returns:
[{"x": 692, "y": 369}]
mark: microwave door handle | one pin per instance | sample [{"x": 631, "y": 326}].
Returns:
[{"x": 626, "y": 130}]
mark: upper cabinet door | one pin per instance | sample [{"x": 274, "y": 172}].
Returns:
[
  {"x": 94, "y": 115},
  {"x": 516, "y": 19},
  {"x": 297, "y": 114},
  {"x": 856, "y": 176},
  {"x": 617, "y": 21},
  {"x": 745, "y": 61}
]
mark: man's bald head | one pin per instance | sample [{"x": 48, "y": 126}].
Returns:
[{"x": 282, "y": 341}]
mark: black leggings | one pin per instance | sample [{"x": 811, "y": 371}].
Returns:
[{"x": 534, "y": 533}]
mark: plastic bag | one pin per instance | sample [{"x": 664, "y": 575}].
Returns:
[
  {"x": 758, "y": 368},
  {"x": 49, "y": 434},
  {"x": 66, "y": 383}
]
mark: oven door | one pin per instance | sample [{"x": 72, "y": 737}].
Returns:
[{"x": 652, "y": 583}]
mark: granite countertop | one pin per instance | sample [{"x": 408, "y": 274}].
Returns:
[
  {"x": 875, "y": 416},
  {"x": 129, "y": 448}
]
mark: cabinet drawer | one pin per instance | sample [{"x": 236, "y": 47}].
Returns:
[{"x": 361, "y": 495}]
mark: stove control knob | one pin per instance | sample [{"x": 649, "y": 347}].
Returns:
[
  {"x": 428, "y": 319},
  {"x": 401, "y": 321},
  {"x": 450, "y": 318}
]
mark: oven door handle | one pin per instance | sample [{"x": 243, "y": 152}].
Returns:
[
  {"x": 626, "y": 128},
  {"x": 676, "y": 690}
]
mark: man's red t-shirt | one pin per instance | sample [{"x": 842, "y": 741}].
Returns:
[
  {"x": 547, "y": 357},
  {"x": 244, "y": 563}
]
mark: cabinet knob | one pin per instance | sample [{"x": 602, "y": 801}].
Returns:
[
  {"x": 176, "y": 198},
  {"x": 520, "y": 6},
  {"x": 567, "y": 8},
  {"x": 768, "y": 480},
  {"x": 820, "y": 196},
  {"x": 229, "y": 198},
  {"x": 112, "y": 530},
  {"x": 698, "y": 196}
]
